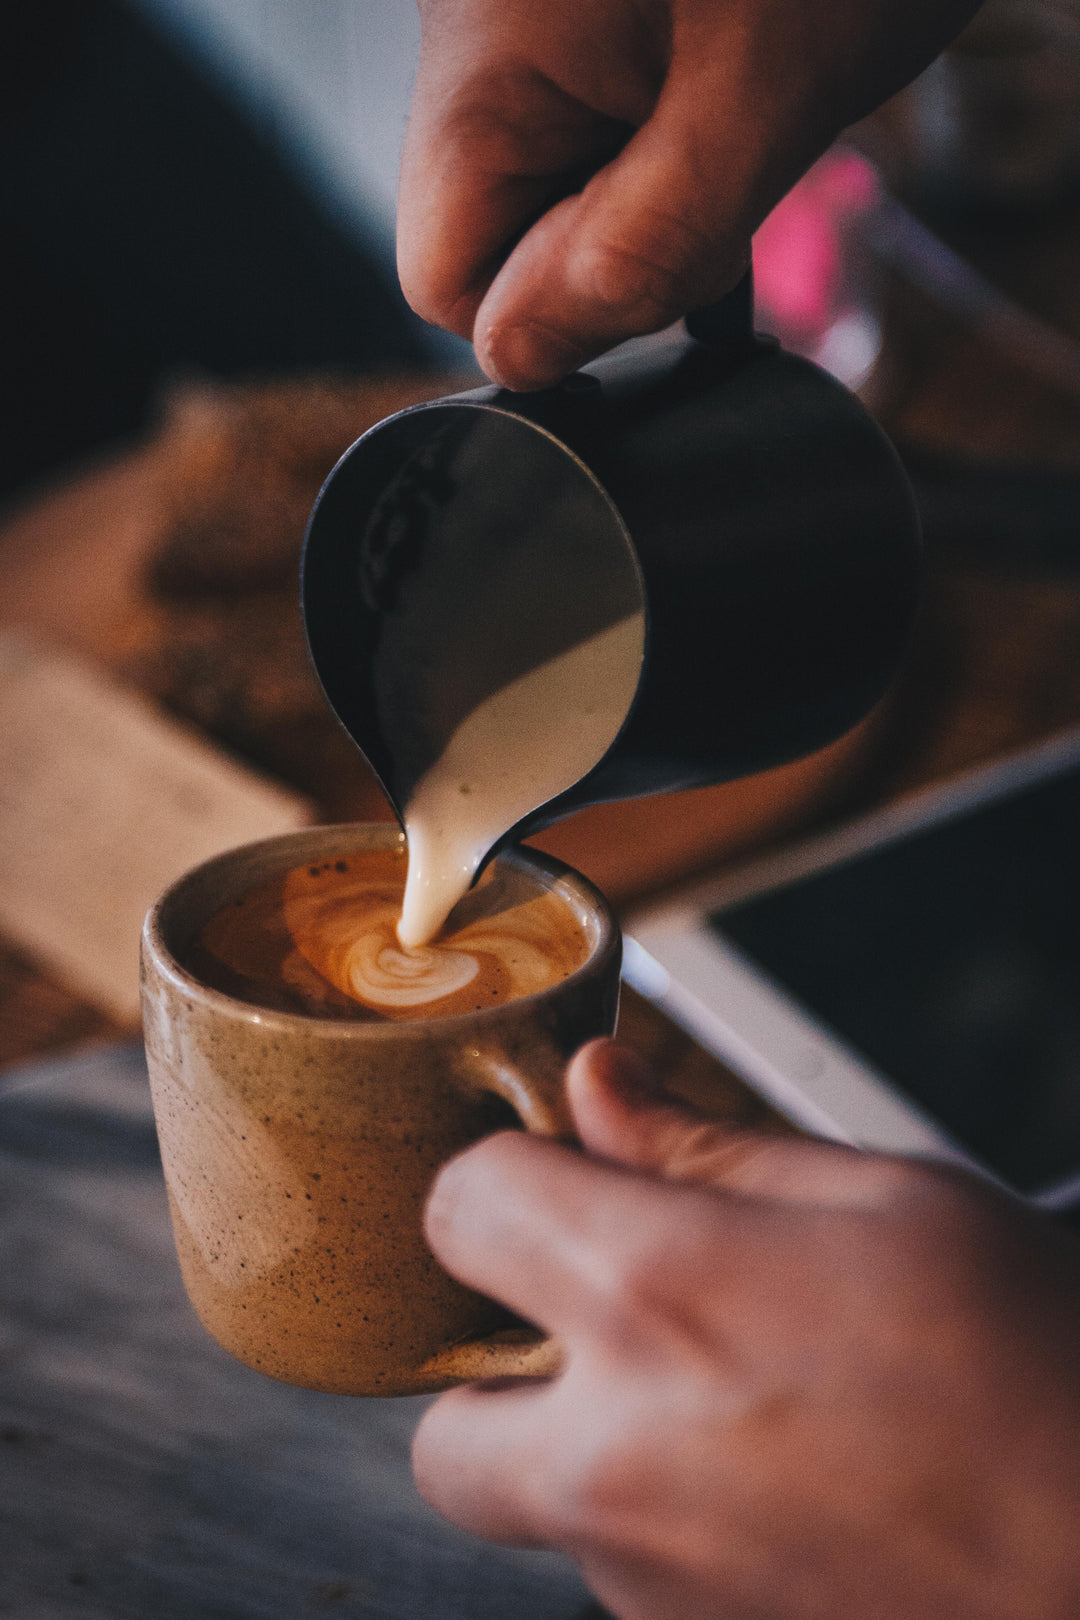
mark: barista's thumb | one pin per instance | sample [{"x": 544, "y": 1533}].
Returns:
[{"x": 661, "y": 229}]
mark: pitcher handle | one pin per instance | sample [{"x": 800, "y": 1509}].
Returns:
[{"x": 729, "y": 323}]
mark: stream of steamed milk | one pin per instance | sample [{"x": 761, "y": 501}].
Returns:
[{"x": 520, "y": 747}]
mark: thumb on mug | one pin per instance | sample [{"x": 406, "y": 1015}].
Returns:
[{"x": 623, "y": 1114}]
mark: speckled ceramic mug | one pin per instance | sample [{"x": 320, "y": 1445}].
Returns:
[{"x": 298, "y": 1150}]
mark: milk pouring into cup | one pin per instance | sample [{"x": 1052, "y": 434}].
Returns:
[
  {"x": 659, "y": 575},
  {"x": 520, "y": 747},
  {"x": 668, "y": 571}
]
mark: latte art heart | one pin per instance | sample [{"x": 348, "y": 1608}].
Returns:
[
  {"x": 388, "y": 976},
  {"x": 355, "y": 946},
  {"x": 323, "y": 940}
]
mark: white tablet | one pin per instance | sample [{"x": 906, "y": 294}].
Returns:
[{"x": 909, "y": 981}]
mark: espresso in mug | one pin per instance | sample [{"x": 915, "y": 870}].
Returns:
[{"x": 322, "y": 940}]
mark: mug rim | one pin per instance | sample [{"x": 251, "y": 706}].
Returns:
[{"x": 157, "y": 951}]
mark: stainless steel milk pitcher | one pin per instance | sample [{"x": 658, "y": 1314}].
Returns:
[{"x": 741, "y": 492}]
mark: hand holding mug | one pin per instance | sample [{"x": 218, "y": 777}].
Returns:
[
  {"x": 300, "y": 1128},
  {"x": 799, "y": 1381}
]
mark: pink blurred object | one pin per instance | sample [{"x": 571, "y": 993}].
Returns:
[
  {"x": 813, "y": 281},
  {"x": 818, "y": 263}
]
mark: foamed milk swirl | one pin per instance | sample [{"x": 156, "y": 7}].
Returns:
[
  {"x": 522, "y": 746},
  {"x": 350, "y": 937},
  {"x": 374, "y": 968},
  {"x": 323, "y": 940}
]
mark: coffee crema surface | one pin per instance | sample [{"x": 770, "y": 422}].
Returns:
[{"x": 322, "y": 940}]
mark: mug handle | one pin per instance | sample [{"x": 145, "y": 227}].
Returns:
[
  {"x": 540, "y": 1103},
  {"x": 522, "y": 1352},
  {"x": 537, "y": 1097}
]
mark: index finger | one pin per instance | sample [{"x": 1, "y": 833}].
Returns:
[
  {"x": 557, "y": 1236},
  {"x": 488, "y": 148}
]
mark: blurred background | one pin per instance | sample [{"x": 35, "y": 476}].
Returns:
[
  {"x": 193, "y": 187},
  {"x": 200, "y": 313}
]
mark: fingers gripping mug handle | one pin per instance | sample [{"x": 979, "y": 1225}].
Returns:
[{"x": 539, "y": 1100}]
